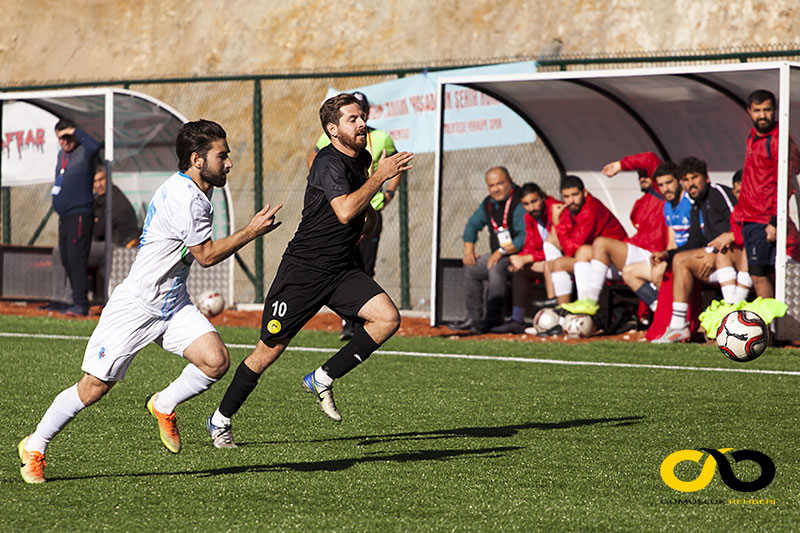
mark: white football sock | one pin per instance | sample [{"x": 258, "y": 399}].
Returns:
[
  {"x": 727, "y": 276},
  {"x": 562, "y": 283},
  {"x": 597, "y": 278},
  {"x": 322, "y": 377},
  {"x": 189, "y": 384},
  {"x": 679, "y": 311},
  {"x": 743, "y": 285},
  {"x": 220, "y": 420},
  {"x": 63, "y": 409},
  {"x": 583, "y": 273}
]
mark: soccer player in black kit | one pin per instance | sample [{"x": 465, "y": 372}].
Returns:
[{"x": 318, "y": 267}]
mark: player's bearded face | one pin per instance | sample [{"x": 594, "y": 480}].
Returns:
[
  {"x": 762, "y": 115},
  {"x": 216, "y": 164},
  {"x": 217, "y": 178},
  {"x": 574, "y": 198}
]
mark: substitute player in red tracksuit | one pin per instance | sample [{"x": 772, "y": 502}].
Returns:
[
  {"x": 586, "y": 220},
  {"x": 757, "y": 209},
  {"x": 629, "y": 258},
  {"x": 529, "y": 264}
]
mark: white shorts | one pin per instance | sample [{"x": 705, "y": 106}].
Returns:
[
  {"x": 124, "y": 329},
  {"x": 635, "y": 255}
]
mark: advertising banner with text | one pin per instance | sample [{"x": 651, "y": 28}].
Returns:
[{"x": 406, "y": 109}]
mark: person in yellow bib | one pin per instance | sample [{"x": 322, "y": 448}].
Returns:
[{"x": 367, "y": 251}]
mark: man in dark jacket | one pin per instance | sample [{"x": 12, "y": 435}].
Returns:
[
  {"x": 707, "y": 249},
  {"x": 73, "y": 201}
]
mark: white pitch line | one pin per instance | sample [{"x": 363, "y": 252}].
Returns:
[{"x": 475, "y": 357}]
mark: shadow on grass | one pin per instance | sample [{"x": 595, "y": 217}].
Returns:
[
  {"x": 475, "y": 432},
  {"x": 331, "y": 465}
]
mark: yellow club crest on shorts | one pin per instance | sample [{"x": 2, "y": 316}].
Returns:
[{"x": 273, "y": 326}]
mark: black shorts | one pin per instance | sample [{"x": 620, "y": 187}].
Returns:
[
  {"x": 760, "y": 252},
  {"x": 298, "y": 293}
]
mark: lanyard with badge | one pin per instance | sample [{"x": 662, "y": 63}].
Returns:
[
  {"x": 502, "y": 232},
  {"x": 60, "y": 176}
]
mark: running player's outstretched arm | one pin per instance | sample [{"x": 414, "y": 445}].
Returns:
[
  {"x": 212, "y": 252},
  {"x": 350, "y": 205}
]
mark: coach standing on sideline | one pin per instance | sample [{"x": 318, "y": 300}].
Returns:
[
  {"x": 318, "y": 267},
  {"x": 152, "y": 304},
  {"x": 73, "y": 201}
]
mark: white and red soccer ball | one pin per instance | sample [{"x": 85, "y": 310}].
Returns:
[
  {"x": 545, "y": 319},
  {"x": 578, "y": 326},
  {"x": 211, "y": 303},
  {"x": 742, "y": 336}
]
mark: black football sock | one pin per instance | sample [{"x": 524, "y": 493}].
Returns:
[
  {"x": 354, "y": 352},
  {"x": 244, "y": 381}
]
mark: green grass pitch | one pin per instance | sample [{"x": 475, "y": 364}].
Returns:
[{"x": 426, "y": 444}]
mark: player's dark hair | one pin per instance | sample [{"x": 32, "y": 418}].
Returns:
[
  {"x": 65, "y": 123},
  {"x": 737, "y": 177},
  {"x": 531, "y": 188},
  {"x": 570, "y": 181},
  {"x": 196, "y": 137},
  {"x": 667, "y": 167},
  {"x": 330, "y": 112},
  {"x": 759, "y": 96},
  {"x": 690, "y": 165}
]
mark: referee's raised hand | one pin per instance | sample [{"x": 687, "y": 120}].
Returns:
[
  {"x": 264, "y": 221},
  {"x": 389, "y": 167}
]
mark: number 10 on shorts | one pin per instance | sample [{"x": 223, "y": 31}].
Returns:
[{"x": 279, "y": 309}]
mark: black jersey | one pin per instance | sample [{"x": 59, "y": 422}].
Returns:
[{"x": 321, "y": 241}]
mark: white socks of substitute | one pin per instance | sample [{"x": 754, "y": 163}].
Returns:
[
  {"x": 679, "y": 311},
  {"x": 583, "y": 275},
  {"x": 597, "y": 278},
  {"x": 736, "y": 285},
  {"x": 562, "y": 283},
  {"x": 64, "y": 408},
  {"x": 189, "y": 384},
  {"x": 743, "y": 285},
  {"x": 727, "y": 284}
]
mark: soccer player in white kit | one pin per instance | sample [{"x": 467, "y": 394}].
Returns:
[{"x": 152, "y": 304}]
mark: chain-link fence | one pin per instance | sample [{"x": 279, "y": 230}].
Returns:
[{"x": 274, "y": 170}]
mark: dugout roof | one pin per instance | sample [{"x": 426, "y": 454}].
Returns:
[
  {"x": 138, "y": 134},
  {"x": 589, "y": 118}
]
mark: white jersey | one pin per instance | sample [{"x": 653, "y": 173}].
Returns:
[{"x": 179, "y": 216}]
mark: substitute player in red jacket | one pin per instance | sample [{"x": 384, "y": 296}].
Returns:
[
  {"x": 629, "y": 258},
  {"x": 529, "y": 263},
  {"x": 577, "y": 229},
  {"x": 756, "y": 213}
]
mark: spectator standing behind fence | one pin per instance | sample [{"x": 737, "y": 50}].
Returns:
[
  {"x": 502, "y": 213},
  {"x": 124, "y": 233},
  {"x": 73, "y": 202},
  {"x": 757, "y": 209},
  {"x": 367, "y": 251}
]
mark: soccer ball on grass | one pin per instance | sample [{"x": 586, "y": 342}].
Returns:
[
  {"x": 211, "y": 303},
  {"x": 742, "y": 336}
]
